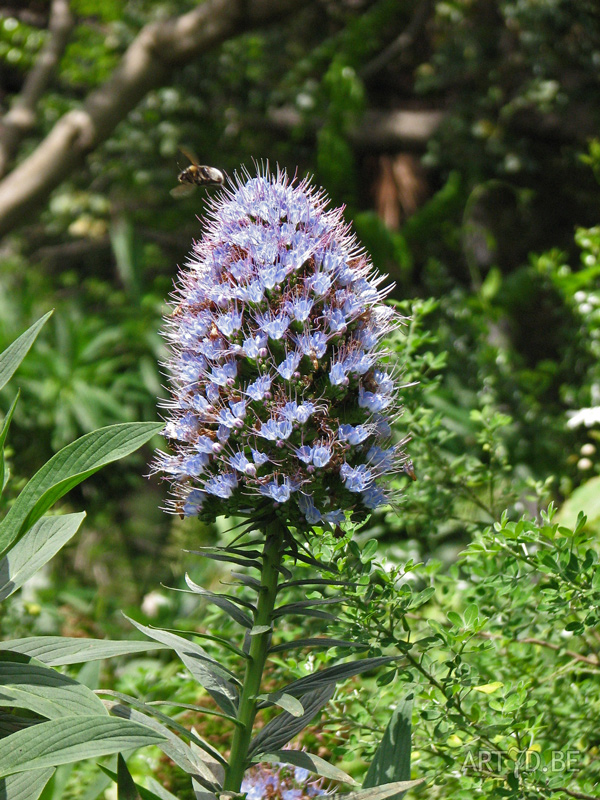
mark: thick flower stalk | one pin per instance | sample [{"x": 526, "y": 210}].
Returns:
[{"x": 282, "y": 396}]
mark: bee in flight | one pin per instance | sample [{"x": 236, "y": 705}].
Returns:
[{"x": 196, "y": 175}]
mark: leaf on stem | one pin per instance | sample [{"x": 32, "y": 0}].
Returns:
[
  {"x": 14, "y": 354},
  {"x": 69, "y": 467},
  {"x": 279, "y": 731},
  {"x": 300, "y": 758},
  {"x": 391, "y": 762},
  {"x": 35, "y": 549},
  {"x": 57, "y": 651},
  {"x": 213, "y": 678}
]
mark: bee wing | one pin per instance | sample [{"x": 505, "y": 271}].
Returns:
[
  {"x": 190, "y": 155},
  {"x": 183, "y": 190}
]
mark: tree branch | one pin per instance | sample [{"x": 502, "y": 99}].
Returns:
[
  {"x": 147, "y": 64},
  {"x": 21, "y": 117}
]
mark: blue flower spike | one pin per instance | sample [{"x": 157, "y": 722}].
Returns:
[{"x": 282, "y": 395}]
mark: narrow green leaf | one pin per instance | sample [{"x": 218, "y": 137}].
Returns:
[
  {"x": 301, "y": 606},
  {"x": 319, "y": 642},
  {"x": 317, "y": 582},
  {"x": 379, "y": 792},
  {"x": 25, "y": 683},
  {"x": 283, "y": 700},
  {"x": 126, "y": 788},
  {"x": 171, "y": 745},
  {"x": 35, "y": 549},
  {"x": 56, "y": 651},
  {"x": 335, "y": 674},
  {"x": 242, "y": 562},
  {"x": 3, "y": 435},
  {"x": 391, "y": 762},
  {"x": 221, "y": 602},
  {"x": 25, "y": 785},
  {"x": 148, "y": 708},
  {"x": 300, "y": 758},
  {"x": 257, "y": 630},
  {"x": 61, "y": 741},
  {"x": 246, "y": 580},
  {"x": 16, "y": 352},
  {"x": 279, "y": 731},
  {"x": 205, "y": 670},
  {"x": 69, "y": 467},
  {"x": 144, "y": 794}
]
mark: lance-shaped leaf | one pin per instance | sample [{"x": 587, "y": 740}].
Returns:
[
  {"x": 335, "y": 674},
  {"x": 322, "y": 641},
  {"x": 392, "y": 758},
  {"x": 283, "y": 700},
  {"x": 205, "y": 670},
  {"x": 24, "y": 785},
  {"x": 3, "y": 434},
  {"x": 282, "y": 729},
  {"x": 222, "y": 602},
  {"x": 378, "y": 792},
  {"x": 34, "y": 549},
  {"x": 245, "y": 580},
  {"x": 27, "y": 683},
  {"x": 144, "y": 794},
  {"x": 317, "y": 582},
  {"x": 146, "y": 708},
  {"x": 69, "y": 467},
  {"x": 56, "y": 651},
  {"x": 242, "y": 562},
  {"x": 300, "y": 758},
  {"x": 170, "y": 744},
  {"x": 126, "y": 788},
  {"x": 16, "y": 352},
  {"x": 302, "y": 606},
  {"x": 60, "y": 741}
]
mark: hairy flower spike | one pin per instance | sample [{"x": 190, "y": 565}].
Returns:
[{"x": 281, "y": 399}]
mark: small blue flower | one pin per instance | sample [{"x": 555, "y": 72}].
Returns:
[
  {"x": 204, "y": 444},
  {"x": 337, "y": 374},
  {"x": 374, "y": 401},
  {"x": 225, "y": 375},
  {"x": 259, "y": 388},
  {"x": 356, "y": 479},
  {"x": 289, "y": 365},
  {"x": 274, "y": 325},
  {"x": 280, "y": 493},
  {"x": 374, "y": 497},
  {"x": 312, "y": 344},
  {"x": 239, "y": 462},
  {"x": 321, "y": 456},
  {"x": 355, "y": 434},
  {"x": 254, "y": 346},
  {"x": 337, "y": 321},
  {"x": 300, "y": 308},
  {"x": 305, "y": 411},
  {"x": 230, "y": 322},
  {"x": 307, "y": 507},
  {"x": 320, "y": 284},
  {"x": 221, "y": 485},
  {"x": 259, "y": 458}
]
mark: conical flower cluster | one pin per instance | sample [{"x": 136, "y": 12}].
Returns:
[{"x": 281, "y": 402}]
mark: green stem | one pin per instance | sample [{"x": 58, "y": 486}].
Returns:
[{"x": 263, "y": 616}]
